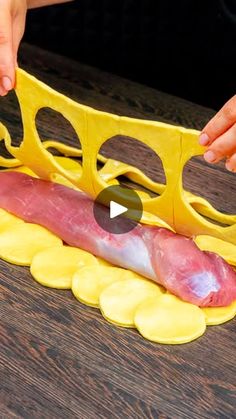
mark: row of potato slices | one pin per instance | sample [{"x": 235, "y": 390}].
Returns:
[{"x": 124, "y": 297}]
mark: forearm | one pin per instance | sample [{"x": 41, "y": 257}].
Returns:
[{"x": 39, "y": 3}]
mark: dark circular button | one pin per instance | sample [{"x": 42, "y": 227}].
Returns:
[{"x": 117, "y": 209}]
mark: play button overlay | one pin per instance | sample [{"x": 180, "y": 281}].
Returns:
[{"x": 117, "y": 209}]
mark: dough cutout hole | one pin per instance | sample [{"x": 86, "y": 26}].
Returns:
[
  {"x": 52, "y": 125},
  {"x": 11, "y": 118},
  {"x": 132, "y": 152},
  {"x": 215, "y": 184}
]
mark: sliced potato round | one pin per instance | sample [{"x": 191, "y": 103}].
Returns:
[
  {"x": 89, "y": 281},
  {"x": 54, "y": 267},
  {"x": 219, "y": 315},
  {"x": 22, "y": 241},
  {"x": 134, "y": 275},
  {"x": 8, "y": 220},
  {"x": 167, "y": 319},
  {"x": 104, "y": 262},
  {"x": 119, "y": 301}
]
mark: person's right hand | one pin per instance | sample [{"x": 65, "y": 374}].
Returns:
[
  {"x": 219, "y": 135},
  {"x": 12, "y": 25}
]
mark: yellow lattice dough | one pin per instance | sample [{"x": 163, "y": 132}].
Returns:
[
  {"x": 8, "y": 220},
  {"x": 151, "y": 219},
  {"x": 23, "y": 169},
  {"x": 114, "y": 168},
  {"x": 167, "y": 319},
  {"x": 20, "y": 242},
  {"x": 202, "y": 206},
  {"x": 69, "y": 164},
  {"x": 224, "y": 249},
  {"x": 113, "y": 182},
  {"x": 174, "y": 145},
  {"x": 219, "y": 315},
  {"x": 64, "y": 149},
  {"x": 90, "y": 281},
  {"x": 63, "y": 181},
  {"x": 142, "y": 194},
  {"x": 119, "y": 301},
  {"x": 54, "y": 267}
]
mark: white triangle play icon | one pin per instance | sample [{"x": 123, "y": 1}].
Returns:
[{"x": 116, "y": 209}]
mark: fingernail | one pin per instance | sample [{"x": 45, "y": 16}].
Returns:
[
  {"x": 209, "y": 156},
  {"x": 2, "y": 91},
  {"x": 203, "y": 139},
  {"x": 227, "y": 165},
  {"x": 6, "y": 83}
]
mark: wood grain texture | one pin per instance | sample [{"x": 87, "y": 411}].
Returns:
[{"x": 59, "y": 358}]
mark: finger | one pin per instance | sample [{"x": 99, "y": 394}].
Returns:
[
  {"x": 3, "y": 92},
  {"x": 220, "y": 123},
  {"x": 231, "y": 163},
  {"x": 18, "y": 31},
  {"x": 39, "y": 3},
  {"x": 6, "y": 53},
  {"x": 223, "y": 146}
]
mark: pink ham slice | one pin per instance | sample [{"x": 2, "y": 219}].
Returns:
[{"x": 172, "y": 260}]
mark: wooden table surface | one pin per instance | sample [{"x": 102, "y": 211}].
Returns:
[{"x": 61, "y": 359}]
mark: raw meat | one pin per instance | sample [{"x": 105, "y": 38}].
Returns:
[{"x": 172, "y": 260}]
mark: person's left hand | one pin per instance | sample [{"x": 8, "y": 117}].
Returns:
[{"x": 219, "y": 135}]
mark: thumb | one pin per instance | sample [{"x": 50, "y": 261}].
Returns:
[{"x": 7, "y": 70}]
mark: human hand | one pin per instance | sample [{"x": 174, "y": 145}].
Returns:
[
  {"x": 219, "y": 135},
  {"x": 12, "y": 25}
]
